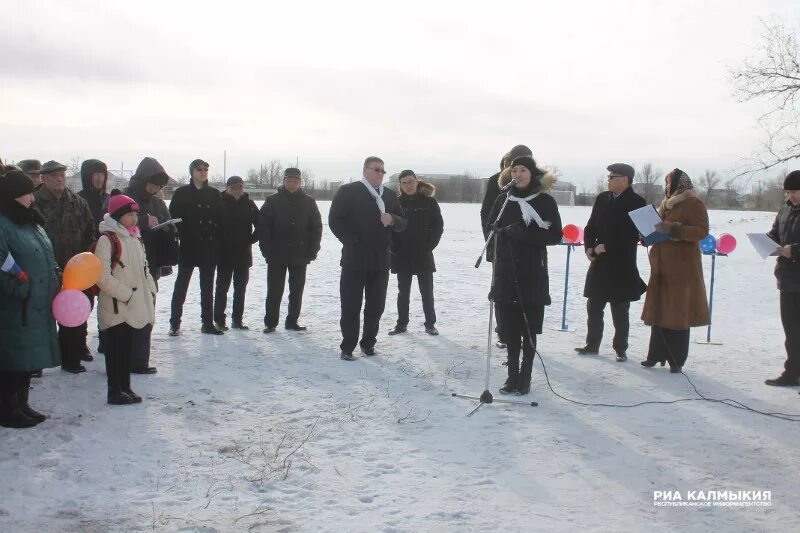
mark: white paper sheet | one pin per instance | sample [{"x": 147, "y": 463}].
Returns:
[
  {"x": 645, "y": 219},
  {"x": 763, "y": 244},
  {"x": 170, "y": 222}
]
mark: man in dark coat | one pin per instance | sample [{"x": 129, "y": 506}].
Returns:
[
  {"x": 149, "y": 178},
  {"x": 71, "y": 229},
  {"x": 201, "y": 208},
  {"x": 94, "y": 176},
  {"x": 786, "y": 232},
  {"x": 290, "y": 234},
  {"x": 239, "y": 232},
  {"x": 611, "y": 241},
  {"x": 363, "y": 216},
  {"x": 412, "y": 249}
]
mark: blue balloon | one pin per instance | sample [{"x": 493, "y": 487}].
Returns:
[{"x": 708, "y": 245}]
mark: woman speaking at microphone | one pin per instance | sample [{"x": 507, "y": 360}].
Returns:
[{"x": 520, "y": 289}]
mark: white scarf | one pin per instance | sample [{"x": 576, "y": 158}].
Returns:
[
  {"x": 378, "y": 195},
  {"x": 528, "y": 212}
]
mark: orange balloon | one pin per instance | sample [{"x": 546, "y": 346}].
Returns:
[{"x": 82, "y": 272}]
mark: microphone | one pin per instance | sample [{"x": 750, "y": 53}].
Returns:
[{"x": 509, "y": 185}]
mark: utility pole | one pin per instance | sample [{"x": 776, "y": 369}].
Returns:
[{"x": 224, "y": 164}]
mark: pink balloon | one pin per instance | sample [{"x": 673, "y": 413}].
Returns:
[
  {"x": 579, "y": 240},
  {"x": 71, "y": 308},
  {"x": 726, "y": 243}
]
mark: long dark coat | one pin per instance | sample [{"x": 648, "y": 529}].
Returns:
[
  {"x": 200, "y": 232},
  {"x": 291, "y": 228},
  {"x": 159, "y": 244},
  {"x": 28, "y": 338},
  {"x": 239, "y": 230},
  {"x": 492, "y": 190},
  {"x": 522, "y": 249},
  {"x": 354, "y": 218},
  {"x": 786, "y": 230},
  {"x": 613, "y": 276},
  {"x": 676, "y": 292},
  {"x": 412, "y": 249}
]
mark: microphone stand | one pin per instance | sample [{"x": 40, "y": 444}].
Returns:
[{"x": 486, "y": 396}]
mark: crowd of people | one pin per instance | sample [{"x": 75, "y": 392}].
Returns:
[{"x": 139, "y": 240}]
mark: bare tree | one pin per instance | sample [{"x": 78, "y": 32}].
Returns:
[
  {"x": 74, "y": 166},
  {"x": 774, "y": 75},
  {"x": 707, "y": 183},
  {"x": 650, "y": 178},
  {"x": 601, "y": 184}
]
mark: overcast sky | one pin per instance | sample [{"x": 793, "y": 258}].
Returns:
[{"x": 431, "y": 86}]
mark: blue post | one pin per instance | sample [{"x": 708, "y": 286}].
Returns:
[
  {"x": 711, "y": 295},
  {"x": 566, "y": 286}
]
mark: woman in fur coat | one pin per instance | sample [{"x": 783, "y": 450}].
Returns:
[
  {"x": 127, "y": 293},
  {"x": 521, "y": 287},
  {"x": 676, "y": 293}
]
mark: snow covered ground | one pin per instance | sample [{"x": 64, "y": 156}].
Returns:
[{"x": 276, "y": 433}]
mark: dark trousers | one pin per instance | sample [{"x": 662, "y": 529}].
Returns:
[
  {"x": 425, "y": 282},
  {"x": 72, "y": 342},
  {"x": 619, "y": 313},
  {"x": 240, "y": 275},
  {"x": 276, "y": 281},
  {"x": 790, "y": 317},
  {"x": 118, "y": 357},
  {"x": 670, "y": 345},
  {"x": 355, "y": 286},
  {"x": 206, "y": 294},
  {"x": 140, "y": 355},
  {"x": 519, "y": 330}
]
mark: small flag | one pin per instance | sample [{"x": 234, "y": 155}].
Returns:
[{"x": 11, "y": 266}]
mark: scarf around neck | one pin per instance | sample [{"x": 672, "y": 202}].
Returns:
[
  {"x": 528, "y": 212},
  {"x": 378, "y": 195}
]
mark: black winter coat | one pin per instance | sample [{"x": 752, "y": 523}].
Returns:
[
  {"x": 291, "y": 228},
  {"x": 786, "y": 230},
  {"x": 412, "y": 249},
  {"x": 521, "y": 250},
  {"x": 95, "y": 198},
  {"x": 492, "y": 191},
  {"x": 614, "y": 276},
  {"x": 158, "y": 245},
  {"x": 354, "y": 218},
  {"x": 200, "y": 232},
  {"x": 239, "y": 230}
]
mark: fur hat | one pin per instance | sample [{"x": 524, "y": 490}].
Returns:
[
  {"x": 518, "y": 151},
  {"x": 292, "y": 172},
  {"x": 120, "y": 205},
  {"x": 792, "y": 181},
  {"x": 30, "y": 166}
]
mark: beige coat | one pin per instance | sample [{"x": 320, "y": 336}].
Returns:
[
  {"x": 118, "y": 301},
  {"x": 676, "y": 293}
]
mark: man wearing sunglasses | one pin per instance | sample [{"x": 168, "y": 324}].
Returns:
[
  {"x": 363, "y": 216},
  {"x": 611, "y": 240}
]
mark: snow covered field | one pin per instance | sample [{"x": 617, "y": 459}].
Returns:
[{"x": 276, "y": 433}]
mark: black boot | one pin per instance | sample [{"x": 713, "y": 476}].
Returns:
[
  {"x": 11, "y": 415},
  {"x": 510, "y": 386},
  {"x": 524, "y": 384},
  {"x": 22, "y": 393},
  {"x": 125, "y": 381}
]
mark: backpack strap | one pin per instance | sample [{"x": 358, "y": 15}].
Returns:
[{"x": 116, "y": 248}]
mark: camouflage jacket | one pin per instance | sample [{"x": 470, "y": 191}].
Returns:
[{"x": 68, "y": 223}]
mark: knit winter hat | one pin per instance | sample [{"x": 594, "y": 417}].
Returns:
[
  {"x": 120, "y": 205},
  {"x": 518, "y": 151},
  {"x": 528, "y": 163},
  {"x": 792, "y": 181},
  {"x": 14, "y": 184}
]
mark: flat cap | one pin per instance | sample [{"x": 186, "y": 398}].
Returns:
[
  {"x": 622, "y": 169},
  {"x": 52, "y": 166},
  {"x": 234, "y": 180}
]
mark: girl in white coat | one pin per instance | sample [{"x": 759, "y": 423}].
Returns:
[{"x": 127, "y": 293}]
